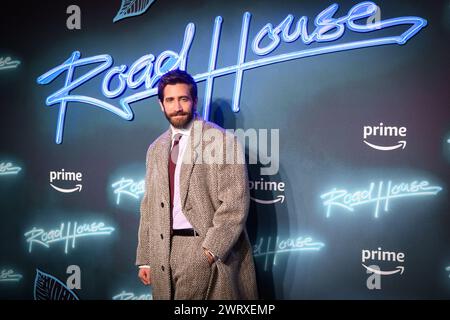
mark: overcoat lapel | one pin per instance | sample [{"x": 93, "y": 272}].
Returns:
[
  {"x": 162, "y": 166},
  {"x": 189, "y": 159}
]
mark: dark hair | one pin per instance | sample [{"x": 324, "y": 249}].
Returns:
[{"x": 174, "y": 77}]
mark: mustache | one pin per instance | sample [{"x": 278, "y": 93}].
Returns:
[{"x": 181, "y": 113}]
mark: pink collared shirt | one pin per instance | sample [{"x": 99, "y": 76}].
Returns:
[{"x": 179, "y": 219}]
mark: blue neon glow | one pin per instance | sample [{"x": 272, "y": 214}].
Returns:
[
  {"x": 8, "y": 169},
  {"x": 288, "y": 245},
  {"x": 9, "y": 276},
  {"x": 129, "y": 188},
  {"x": 448, "y": 269},
  {"x": 212, "y": 64},
  {"x": 8, "y": 63},
  {"x": 341, "y": 198},
  {"x": 63, "y": 96},
  {"x": 327, "y": 29},
  {"x": 124, "y": 295},
  {"x": 66, "y": 233}
]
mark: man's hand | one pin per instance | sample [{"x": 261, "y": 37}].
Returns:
[{"x": 144, "y": 275}]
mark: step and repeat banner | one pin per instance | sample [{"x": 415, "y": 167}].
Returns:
[{"x": 343, "y": 109}]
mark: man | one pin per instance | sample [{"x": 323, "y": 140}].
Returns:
[{"x": 192, "y": 238}]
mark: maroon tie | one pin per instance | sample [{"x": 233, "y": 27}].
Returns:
[{"x": 172, "y": 165}]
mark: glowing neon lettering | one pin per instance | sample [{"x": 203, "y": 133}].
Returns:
[
  {"x": 168, "y": 60},
  {"x": 8, "y": 168},
  {"x": 327, "y": 29},
  {"x": 66, "y": 233},
  {"x": 131, "y": 296},
  {"x": 9, "y": 276},
  {"x": 284, "y": 246},
  {"x": 343, "y": 199},
  {"x": 129, "y": 188},
  {"x": 8, "y": 63}
]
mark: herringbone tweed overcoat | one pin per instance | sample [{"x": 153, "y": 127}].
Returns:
[{"x": 215, "y": 200}]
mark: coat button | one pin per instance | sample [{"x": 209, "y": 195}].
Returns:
[
  {"x": 162, "y": 237},
  {"x": 162, "y": 204},
  {"x": 162, "y": 268}
]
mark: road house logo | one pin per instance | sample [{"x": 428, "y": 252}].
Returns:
[
  {"x": 129, "y": 188},
  {"x": 8, "y": 169},
  {"x": 369, "y": 257},
  {"x": 146, "y": 71},
  {"x": 267, "y": 248},
  {"x": 62, "y": 176},
  {"x": 131, "y": 296},
  {"x": 377, "y": 194},
  {"x": 385, "y": 131},
  {"x": 271, "y": 186},
  {"x": 9, "y": 276},
  {"x": 8, "y": 63},
  {"x": 68, "y": 233}
]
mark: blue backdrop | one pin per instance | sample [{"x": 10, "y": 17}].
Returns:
[{"x": 352, "y": 96}]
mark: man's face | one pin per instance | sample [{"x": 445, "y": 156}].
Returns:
[{"x": 178, "y": 105}]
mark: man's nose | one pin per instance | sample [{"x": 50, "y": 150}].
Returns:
[{"x": 178, "y": 106}]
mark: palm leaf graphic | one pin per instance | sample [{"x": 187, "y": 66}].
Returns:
[
  {"x": 47, "y": 287},
  {"x": 131, "y": 8}
]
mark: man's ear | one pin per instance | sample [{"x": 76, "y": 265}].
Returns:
[{"x": 161, "y": 105}]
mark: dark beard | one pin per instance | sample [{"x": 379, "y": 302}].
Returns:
[{"x": 179, "y": 123}]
